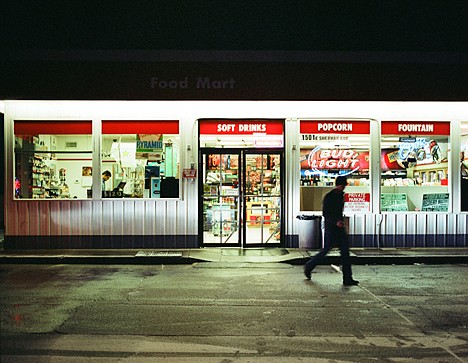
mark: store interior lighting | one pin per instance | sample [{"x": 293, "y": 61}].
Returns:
[
  {"x": 464, "y": 128},
  {"x": 247, "y": 141}
]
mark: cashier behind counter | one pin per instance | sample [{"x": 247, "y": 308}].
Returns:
[{"x": 169, "y": 189}]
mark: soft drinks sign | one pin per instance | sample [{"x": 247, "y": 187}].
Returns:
[{"x": 241, "y": 127}]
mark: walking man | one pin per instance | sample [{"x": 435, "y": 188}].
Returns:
[{"x": 335, "y": 233}]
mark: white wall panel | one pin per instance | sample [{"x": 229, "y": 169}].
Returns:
[
  {"x": 65, "y": 218},
  {"x": 372, "y": 225},
  {"x": 44, "y": 218},
  {"x": 87, "y": 219},
  {"x": 421, "y": 223},
  {"x": 55, "y": 218},
  {"x": 410, "y": 223},
  {"x": 150, "y": 219},
  {"x": 462, "y": 223},
  {"x": 125, "y": 217},
  {"x": 462, "y": 228},
  {"x": 359, "y": 223},
  {"x": 33, "y": 214},
  {"x": 400, "y": 224},
  {"x": 138, "y": 218},
  {"x": 107, "y": 218},
  {"x": 97, "y": 218}
]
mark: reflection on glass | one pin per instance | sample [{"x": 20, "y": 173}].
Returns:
[
  {"x": 141, "y": 165},
  {"x": 262, "y": 198},
  {"x": 322, "y": 162},
  {"x": 53, "y": 166},
  {"x": 228, "y": 185},
  {"x": 220, "y": 198},
  {"x": 414, "y": 174}
]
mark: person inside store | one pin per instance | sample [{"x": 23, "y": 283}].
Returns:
[
  {"x": 335, "y": 232},
  {"x": 106, "y": 175}
]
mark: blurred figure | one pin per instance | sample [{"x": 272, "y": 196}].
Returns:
[{"x": 335, "y": 232}]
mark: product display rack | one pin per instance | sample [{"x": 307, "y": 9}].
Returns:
[
  {"x": 420, "y": 175},
  {"x": 36, "y": 178}
]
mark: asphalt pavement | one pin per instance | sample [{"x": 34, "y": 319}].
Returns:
[{"x": 232, "y": 310}]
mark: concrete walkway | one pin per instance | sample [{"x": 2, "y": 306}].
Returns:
[{"x": 233, "y": 255}]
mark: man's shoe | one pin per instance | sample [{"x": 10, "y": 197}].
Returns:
[
  {"x": 307, "y": 273},
  {"x": 351, "y": 283}
]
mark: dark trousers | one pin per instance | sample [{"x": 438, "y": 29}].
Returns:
[{"x": 334, "y": 236}]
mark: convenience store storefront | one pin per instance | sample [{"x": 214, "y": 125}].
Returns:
[{"x": 190, "y": 174}]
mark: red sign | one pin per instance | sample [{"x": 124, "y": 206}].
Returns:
[
  {"x": 389, "y": 160},
  {"x": 47, "y": 127},
  {"x": 241, "y": 127},
  {"x": 415, "y": 128},
  {"x": 140, "y": 127},
  {"x": 356, "y": 197},
  {"x": 189, "y": 173},
  {"x": 357, "y": 202},
  {"x": 335, "y": 127}
]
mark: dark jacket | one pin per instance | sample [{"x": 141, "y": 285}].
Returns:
[{"x": 333, "y": 204}]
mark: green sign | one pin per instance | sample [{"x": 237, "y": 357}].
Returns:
[
  {"x": 393, "y": 202},
  {"x": 148, "y": 146},
  {"x": 435, "y": 202}
]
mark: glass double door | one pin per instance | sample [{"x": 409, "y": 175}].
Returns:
[{"x": 241, "y": 197}]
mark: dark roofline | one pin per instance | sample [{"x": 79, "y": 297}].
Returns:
[{"x": 232, "y": 56}]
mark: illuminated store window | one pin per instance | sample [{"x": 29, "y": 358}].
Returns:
[
  {"x": 414, "y": 166},
  {"x": 140, "y": 159},
  {"x": 53, "y": 159},
  {"x": 329, "y": 148},
  {"x": 464, "y": 167}
]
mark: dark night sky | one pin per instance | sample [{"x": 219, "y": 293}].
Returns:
[{"x": 438, "y": 26}]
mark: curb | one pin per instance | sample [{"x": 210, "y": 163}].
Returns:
[{"x": 181, "y": 260}]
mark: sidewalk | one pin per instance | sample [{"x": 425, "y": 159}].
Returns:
[
  {"x": 293, "y": 256},
  {"x": 233, "y": 255}
]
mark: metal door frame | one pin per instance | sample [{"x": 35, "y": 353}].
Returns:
[
  {"x": 242, "y": 211},
  {"x": 263, "y": 151},
  {"x": 203, "y": 152}
]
